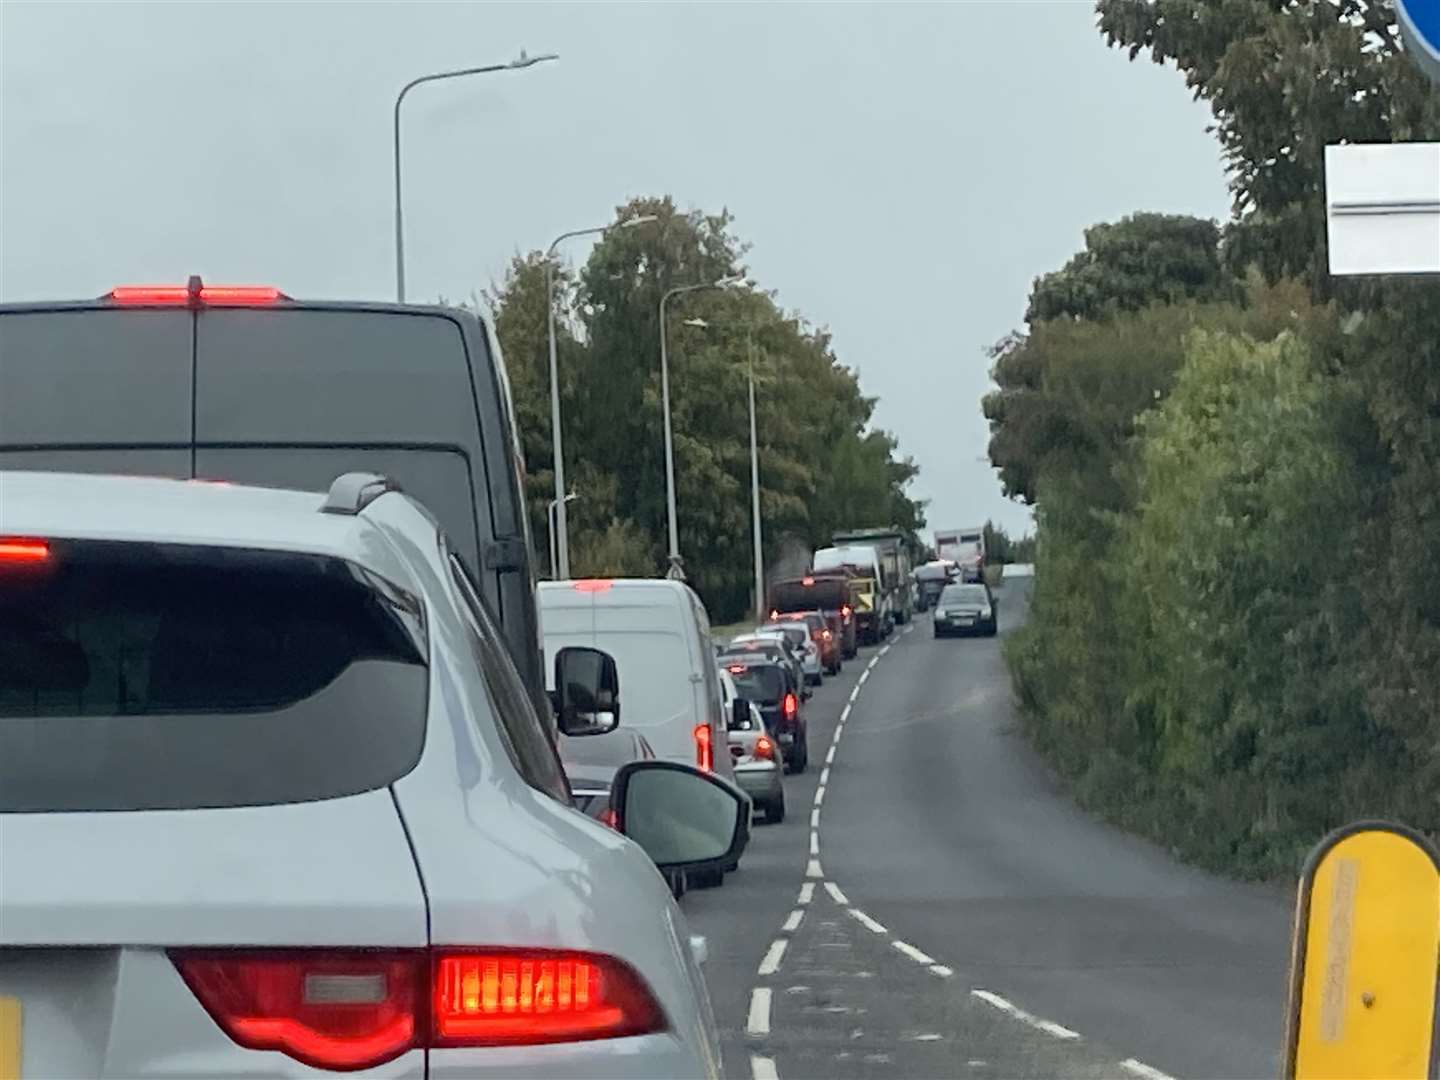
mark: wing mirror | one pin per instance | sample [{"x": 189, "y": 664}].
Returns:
[
  {"x": 685, "y": 819},
  {"x": 587, "y": 691}
]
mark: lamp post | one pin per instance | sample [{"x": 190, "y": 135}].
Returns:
[
  {"x": 521, "y": 61},
  {"x": 671, "y": 518},
  {"x": 550, "y": 519},
  {"x": 757, "y": 538},
  {"x": 560, "y": 562}
]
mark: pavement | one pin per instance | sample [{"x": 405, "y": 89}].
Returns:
[{"x": 935, "y": 905}]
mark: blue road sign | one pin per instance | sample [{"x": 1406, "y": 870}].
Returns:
[{"x": 1420, "y": 27}]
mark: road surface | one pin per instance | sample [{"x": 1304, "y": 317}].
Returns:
[{"x": 951, "y": 912}]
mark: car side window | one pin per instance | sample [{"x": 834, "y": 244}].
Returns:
[{"x": 535, "y": 754}]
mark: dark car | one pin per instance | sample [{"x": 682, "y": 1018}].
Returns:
[
  {"x": 246, "y": 384},
  {"x": 591, "y": 763},
  {"x": 930, "y": 581},
  {"x": 772, "y": 687},
  {"x": 775, "y": 648},
  {"x": 966, "y": 608},
  {"x": 828, "y": 592}
]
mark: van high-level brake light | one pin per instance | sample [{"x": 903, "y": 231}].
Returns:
[
  {"x": 195, "y": 294},
  {"x": 22, "y": 549}
]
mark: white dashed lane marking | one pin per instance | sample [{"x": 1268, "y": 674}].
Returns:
[
  {"x": 866, "y": 921},
  {"x": 773, "y": 956},
  {"x": 757, "y": 1023},
  {"x": 912, "y": 952},
  {"x": 763, "y": 1068},
  {"x": 792, "y": 923},
  {"x": 807, "y": 893},
  {"x": 1139, "y": 1068},
  {"x": 1047, "y": 1026}
]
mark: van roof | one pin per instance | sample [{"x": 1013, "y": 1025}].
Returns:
[{"x": 618, "y": 592}]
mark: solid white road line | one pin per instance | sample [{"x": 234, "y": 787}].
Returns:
[
  {"x": 791, "y": 924},
  {"x": 825, "y": 773},
  {"x": 758, "y": 1022},
  {"x": 763, "y": 1068},
  {"x": 773, "y": 956},
  {"x": 1059, "y": 1031},
  {"x": 807, "y": 893},
  {"x": 1139, "y": 1068},
  {"x": 815, "y": 818},
  {"x": 812, "y": 869},
  {"x": 866, "y": 921},
  {"x": 912, "y": 952},
  {"x": 836, "y": 894},
  {"x": 814, "y": 842},
  {"x": 941, "y": 970}
]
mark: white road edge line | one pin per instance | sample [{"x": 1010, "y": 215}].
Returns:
[
  {"x": 830, "y": 755},
  {"x": 863, "y": 676},
  {"x": 941, "y": 970},
  {"x": 884, "y": 650},
  {"x": 758, "y": 1021},
  {"x": 912, "y": 952},
  {"x": 812, "y": 869},
  {"x": 763, "y": 1068},
  {"x": 825, "y": 774},
  {"x": 1139, "y": 1068},
  {"x": 814, "y": 842},
  {"x": 773, "y": 956},
  {"x": 854, "y": 694},
  {"x": 845, "y": 714},
  {"x": 866, "y": 921},
  {"x": 820, "y": 795},
  {"x": 836, "y": 894},
  {"x": 815, "y": 818},
  {"x": 807, "y": 893},
  {"x": 792, "y": 923},
  {"x": 1060, "y": 1031}
]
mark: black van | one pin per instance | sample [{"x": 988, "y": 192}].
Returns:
[{"x": 246, "y": 384}]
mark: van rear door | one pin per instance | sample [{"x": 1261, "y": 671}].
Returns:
[{"x": 75, "y": 380}]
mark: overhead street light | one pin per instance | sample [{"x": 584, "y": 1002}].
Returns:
[
  {"x": 521, "y": 61},
  {"x": 561, "y": 564},
  {"x": 756, "y": 532},
  {"x": 671, "y": 518}
]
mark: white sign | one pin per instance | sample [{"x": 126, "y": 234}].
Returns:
[{"x": 1382, "y": 208}]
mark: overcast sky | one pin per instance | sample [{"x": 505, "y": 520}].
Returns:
[{"x": 903, "y": 171}]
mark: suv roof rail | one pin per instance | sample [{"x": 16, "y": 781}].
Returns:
[{"x": 354, "y": 491}]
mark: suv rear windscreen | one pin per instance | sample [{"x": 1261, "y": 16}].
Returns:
[
  {"x": 139, "y": 676},
  {"x": 762, "y": 685}
]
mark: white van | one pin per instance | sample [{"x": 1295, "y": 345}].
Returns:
[{"x": 659, "y": 634}]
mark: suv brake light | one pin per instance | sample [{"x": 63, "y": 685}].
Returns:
[
  {"x": 790, "y": 706},
  {"x": 764, "y": 748},
  {"x": 352, "y": 1009}
]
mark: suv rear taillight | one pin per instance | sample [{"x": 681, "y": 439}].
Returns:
[
  {"x": 23, "y": 549},
  {"x": 348, "y": 1009},
  {"x": 790, "y": 707},
  {"x": 195, "y": 294}
]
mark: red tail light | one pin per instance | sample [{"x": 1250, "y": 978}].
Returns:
[
  {"x": 704, "y": 751},
  {"x": 333, "y": 1009},
  {"x": 500, "y": 998},
  {"x": 845, "y": 612},
  {"x": 790, "y": 706},
  {"x": 22, "y": 549},
  {"x": 764, "y": 748},
  {"x": 350, "y": 1009},
  {"x": 593, "y": 585}
]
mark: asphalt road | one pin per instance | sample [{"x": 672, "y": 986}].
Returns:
[{"x": 957, "y": 915}]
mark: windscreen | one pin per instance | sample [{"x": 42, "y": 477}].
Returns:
[
  {"x": 762, "y": 685},
  {"x": 156, "y": 676},
  {"x": 965, "y": 594}
]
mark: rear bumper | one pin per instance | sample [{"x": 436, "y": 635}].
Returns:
[
  {"x": 957, "y": 628},
  {"x": 647, "y": 1057},
  {"x": 761, "y": 780}
]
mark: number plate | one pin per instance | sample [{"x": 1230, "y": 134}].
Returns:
[
  {"x": 966, "y": 622},
  {"x": 9, "y": 1038}
]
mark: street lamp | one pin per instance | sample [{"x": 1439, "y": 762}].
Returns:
[
  {"x": 521, "y": 61},
  {"x": 674, "y": 528},
  {"x": 756, "y": 538},
  {"x": 550, "y": 518},
  {"x": 561, "y": 567}
]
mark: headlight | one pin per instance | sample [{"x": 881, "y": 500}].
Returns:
[
  {"x": 984, "y": 613},
  {"x": 939, "y": 613}
]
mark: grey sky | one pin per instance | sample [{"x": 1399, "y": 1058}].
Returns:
[{"x": 902, "y": 170}]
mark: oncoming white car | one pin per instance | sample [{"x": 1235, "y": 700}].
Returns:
[{"x": 274, "y": 800}]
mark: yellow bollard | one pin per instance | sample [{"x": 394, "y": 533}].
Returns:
[{"x": 1365, "y": 960}]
